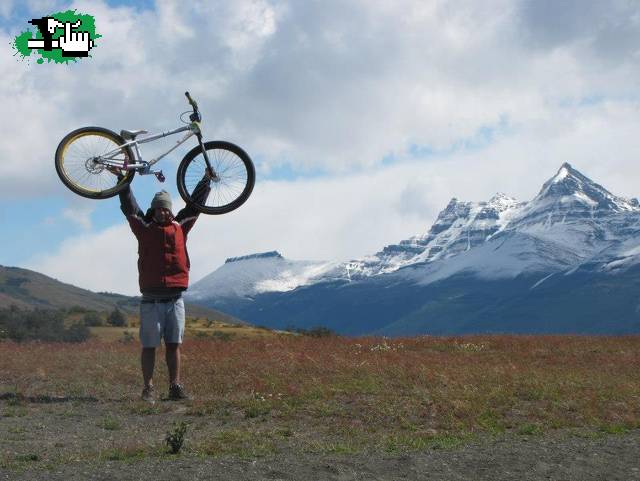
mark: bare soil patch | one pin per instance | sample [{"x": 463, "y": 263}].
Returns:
[{"x": 124, "y": 440}]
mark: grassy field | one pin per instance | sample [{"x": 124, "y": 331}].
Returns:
[
  {"x": 195, "y": 329},
  {"x": 258, "y": 393}
]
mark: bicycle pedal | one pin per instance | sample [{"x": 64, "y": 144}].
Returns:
[{"x": 160, "y": 176}]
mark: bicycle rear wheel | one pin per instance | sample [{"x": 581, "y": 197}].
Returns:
[
  {"x": 232, "y": 188},
  {"x": 79, "y": 170}
]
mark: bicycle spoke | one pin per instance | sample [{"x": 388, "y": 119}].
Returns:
[
  {"x": 79, "y": 168},
  {"x": 232, "y": 177}
]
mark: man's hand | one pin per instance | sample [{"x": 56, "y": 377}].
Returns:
[
  {"x": 73, "y": 42},
  {"x": 115, "y": 171},
  {"x": 208, "y": 175}
]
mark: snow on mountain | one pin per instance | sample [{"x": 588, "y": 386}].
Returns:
[
  {"x": 572, "y": 221},
  {"x": 505, "y": 256},
  {"x": 253, "y": 274},
  {"x": 572, "y": 210},
  {"x": 460, "y": 227},
  {"x": 569, "y": 187},
  {"x": 619, "y": 256}
]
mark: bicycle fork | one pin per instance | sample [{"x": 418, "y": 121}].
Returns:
[{"x": 212, "y": 173}]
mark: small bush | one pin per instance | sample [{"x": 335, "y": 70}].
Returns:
[
  {"x": 77, "y": 310},
  {"x": 92, "y": 318},
  {"x": 318, "y": 331},
  {"x": 256, "y": 409},
  {"x": 77, "y": 332},
  {"x": 41, "y": 325},
  {"x": 175, "y": 438},
  {"x": 321, "y": 332},
  {"x": 125, "y": 453},
  {"x": 223, "y": 336},
  {"x": 27, "y": 457},
  {"x": 530, "y": 429},
  {"x": 110, "y": 423},
  {"x": 127, "y": 337},
  {"x": 117, "y": 318}
]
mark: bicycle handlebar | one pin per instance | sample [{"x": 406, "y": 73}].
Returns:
[
  {"x": 191, "y": 101},
  {"x": 196, "y": 113}
]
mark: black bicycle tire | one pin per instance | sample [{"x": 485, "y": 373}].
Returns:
[
  {"x": 244, "y": 195},
  {"x": 104, "y": 194}
]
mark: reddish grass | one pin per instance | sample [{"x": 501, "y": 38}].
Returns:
[{"x": 421, "y": 384}]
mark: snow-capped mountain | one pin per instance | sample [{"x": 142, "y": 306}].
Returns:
[
  {"x": 247, "y": 276},
  {"x": 571, "y": 214},
  {"x": 460, "y": 227},
  {"x": 572, "y": 210},
  {"x": 572, "y": 226}
]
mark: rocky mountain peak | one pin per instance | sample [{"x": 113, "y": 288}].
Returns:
[
  {"x": 454, "y": 210},
  {"x": 261, "y": 255},
  {"x": 571, "y": 187},
  {"x": 501, "y": 202}
]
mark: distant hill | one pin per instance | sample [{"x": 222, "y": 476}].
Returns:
[{"x": 28, "y": 289}]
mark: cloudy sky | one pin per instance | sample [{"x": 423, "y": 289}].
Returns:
[{"x": 363, "y": 117}]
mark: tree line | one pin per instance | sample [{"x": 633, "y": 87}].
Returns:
[{"x": 52, "y": 325}]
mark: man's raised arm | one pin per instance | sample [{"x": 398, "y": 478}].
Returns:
[
  {"x": 187, "y": 217},
  {"x": 130, "y": 208}
]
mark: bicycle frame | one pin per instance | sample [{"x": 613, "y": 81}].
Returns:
[{"x": 139, "y": 164}]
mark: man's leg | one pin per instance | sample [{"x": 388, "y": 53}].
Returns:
[
  {"x": 150, "y": 332},
  {"x": 172, "y": 357},
  {"x": 148, "y": 361},
  {"x": 174, "y": 330},
  {"x": 177, "y": 391}
]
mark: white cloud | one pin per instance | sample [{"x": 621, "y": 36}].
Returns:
[
  {"x": 6, "y": 8},
  {"x": 80, "y": 215},
  {"x": 334, "y": 86},
  {"x": 499, "y": 92},
  {"x": 43, "y": 7},
  {"x": 104, "y": 261},
  {"x": 173, "y": 23}
]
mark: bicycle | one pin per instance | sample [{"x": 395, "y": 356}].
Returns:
[{"x": 97, "y": 163}]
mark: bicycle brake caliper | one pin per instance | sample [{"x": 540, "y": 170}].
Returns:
[{"x": 159, "y": 176}]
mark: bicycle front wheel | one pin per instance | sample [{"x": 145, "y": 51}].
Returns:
[
  {"x": 235, "y": 171},
  {"x": 84, "y": 167}
]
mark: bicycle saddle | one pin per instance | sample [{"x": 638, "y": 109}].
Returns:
[{"x": 131, "y": 134}]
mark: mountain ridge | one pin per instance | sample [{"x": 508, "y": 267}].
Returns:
[
  {"x": 465, "y": 225},
  {"x": 572, "y": 226},
  {"x": 28, "y": 289}
]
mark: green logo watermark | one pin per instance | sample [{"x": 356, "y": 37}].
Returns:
[{"x": 60, "y": 37}]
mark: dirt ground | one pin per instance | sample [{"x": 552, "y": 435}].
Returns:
[
  {"x": 83, "y": 439},
  {"x": 546, "y": 458}
]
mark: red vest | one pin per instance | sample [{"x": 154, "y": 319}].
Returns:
[{"x": 163, "y": 261}]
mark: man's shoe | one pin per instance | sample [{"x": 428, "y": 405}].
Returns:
[
  {"x": 178, "y": 393},
  {"x": 149, "y": 395}
]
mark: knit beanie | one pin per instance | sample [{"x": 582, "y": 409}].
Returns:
[{"x": 161, "y": 199}]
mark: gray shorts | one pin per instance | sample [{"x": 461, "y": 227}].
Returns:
[{"x": 161, "y": 320}]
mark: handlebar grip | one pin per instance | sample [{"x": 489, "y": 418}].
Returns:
[{"x": 191, "y": 101}]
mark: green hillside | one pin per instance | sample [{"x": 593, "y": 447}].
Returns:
[{"x": 28, "y": 289}]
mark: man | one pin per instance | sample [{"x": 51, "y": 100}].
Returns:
[{"x": 163, "y": 268}]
